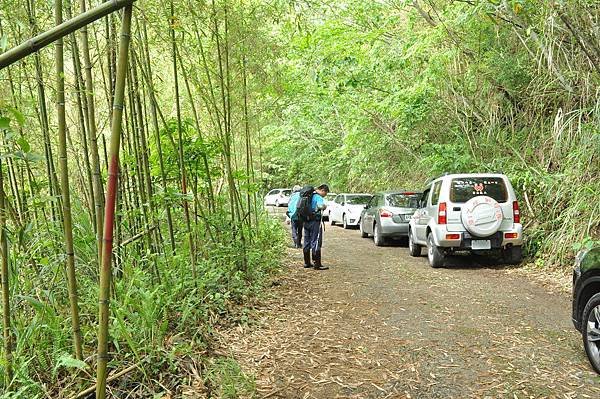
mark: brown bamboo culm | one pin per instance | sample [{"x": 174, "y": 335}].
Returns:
[{"x": 109, "y": 213}]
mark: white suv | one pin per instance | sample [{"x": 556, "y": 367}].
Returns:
[{"x": 467, "y": 212}]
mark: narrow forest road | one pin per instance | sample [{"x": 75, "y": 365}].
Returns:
[{"x": 380, "y": 324}]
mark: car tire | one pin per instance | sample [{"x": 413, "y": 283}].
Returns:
[
  {"x": 513, "y": 255},
  {"x": 434, "y": 254},
  {"x": 590, "y": 328},
  {"x": 377, "y": 237},
  {"x": 414, "y": 249},
  {"x": 345, "y": 222},
  {"x": 363, "y": 233}
]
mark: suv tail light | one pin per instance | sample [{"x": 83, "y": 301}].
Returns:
[
  {"x": 442, "y": 213},
  {"x": 516, "y": 212},
  {"x": 384, "y": 213}
]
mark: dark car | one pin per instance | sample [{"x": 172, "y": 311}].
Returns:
[{"x": 586, "y": 302}]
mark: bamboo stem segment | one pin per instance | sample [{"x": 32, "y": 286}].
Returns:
[
  {"x": 64, "y": 184},
  {"x": 111, "y": 199},
  {"x": 44, "y": 39},
  {"x": 5, "y": 287}
]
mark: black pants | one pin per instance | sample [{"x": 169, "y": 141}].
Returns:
[
  {"x": 313, "y": 236},
  {"x": 297, "y": 226}
]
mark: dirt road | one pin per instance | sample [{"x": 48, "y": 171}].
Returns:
[{"x": 380, "y": 324}]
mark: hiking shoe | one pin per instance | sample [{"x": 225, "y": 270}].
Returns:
[{"x": 307, "y": 263}]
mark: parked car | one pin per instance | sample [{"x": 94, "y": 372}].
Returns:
[
  {"x": 467, "y": 212},
  {"x": 387, "y": 215},
  {"x": 347, "y": 208},
  {"x": 278, "y": 197},
  {"x": 329, "y": 202},
  {"x": 586, "y": 302}
]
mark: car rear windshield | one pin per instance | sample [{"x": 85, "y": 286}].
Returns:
[
  {"x": 402, "y": 200},
  {"x": 286, "y": 192},
  {"x": 358, "y": 199},
  {"x": 464, "y": 188}
]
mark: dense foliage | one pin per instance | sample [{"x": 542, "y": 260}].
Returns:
[
  {"x": 387, "y": 94},
  {"x": 192, "y": 246}
]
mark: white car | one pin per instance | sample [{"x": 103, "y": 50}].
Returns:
[
  {"x": 346, "y": 209},
  {"x": 329, "y": 202},
  {"x": 467, "y": 212},
  {"x": 278, "y": 197}
]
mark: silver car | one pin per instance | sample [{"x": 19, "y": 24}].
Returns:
[
  {"x": 467, "y": 212},
  {"x": 387, "y": 215}
]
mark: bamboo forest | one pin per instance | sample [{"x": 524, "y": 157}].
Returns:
[{"x": 138, "y": 140}]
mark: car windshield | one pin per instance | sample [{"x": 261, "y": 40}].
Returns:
[
  {"x": 286, "y": 193},
  {"x": 464, "y": 188},
  {"x": 404, "y": 200},
  {"x": 358, "y": 199},
  {"x": 330, "y": 197}
]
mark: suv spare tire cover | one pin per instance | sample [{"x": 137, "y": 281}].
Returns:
[{"x": 482, "y": 216}]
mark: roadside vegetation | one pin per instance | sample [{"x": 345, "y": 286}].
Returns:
[
  {"x": 388, "y": 94},
  {"x": 191, "y": 247},
  {"x": 224, "y": 99}
]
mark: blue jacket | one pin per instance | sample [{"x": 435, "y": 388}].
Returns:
[{"x": 292, "y": 205}]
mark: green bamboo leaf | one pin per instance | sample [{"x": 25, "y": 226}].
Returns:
[
  {"x": 23, "y": 144},
  {"x": 69, "y": 362},
  {"x": 18, "y": 115},
  {"x": 4, "y": 122}
]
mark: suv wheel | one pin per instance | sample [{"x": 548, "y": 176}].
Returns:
[
  {"x": 377, "y": 238},
  {"x": 363, "y": 233},
  {"x": 345, "y": 222},
  {"x": 513, "y": 255},
  {"x": 591, "y": 331},
  {"x": 434, "y": 253},
  {"x": 413, "y": 248}
]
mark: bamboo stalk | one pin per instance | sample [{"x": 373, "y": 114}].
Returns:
[
  {"x": 183, "y": 176},
  {"x": 64, "y": 182},
  {"x": 5, "y": 286},
  {"x": 109, "y": 213},
  {"x": 153, "y": 114},
  {"x": 98, "y": 193},
  {"x": 60, "y": 30}
]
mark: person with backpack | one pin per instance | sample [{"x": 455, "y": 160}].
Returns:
[
  {"x": 309, "y": 209},
  {"x": 295, "y": 222}
]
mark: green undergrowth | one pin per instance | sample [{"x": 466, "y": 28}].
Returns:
[{"x": 162, "y": 326}]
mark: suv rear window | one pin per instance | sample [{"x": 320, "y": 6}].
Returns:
[
  {"x": 465, "y": 188},
  {"x": 401, "y": 200}
]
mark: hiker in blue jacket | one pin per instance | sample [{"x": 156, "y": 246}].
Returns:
[
  {"x": 295, "y": 222},
  {"x": 313, "y": 230}
]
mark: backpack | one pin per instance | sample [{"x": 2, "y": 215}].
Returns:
[{"x": 304, "y": 210}]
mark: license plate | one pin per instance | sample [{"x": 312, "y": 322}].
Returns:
[
  {"x": 481, "y": 244},
  {"x": 407, "y": 217}
]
